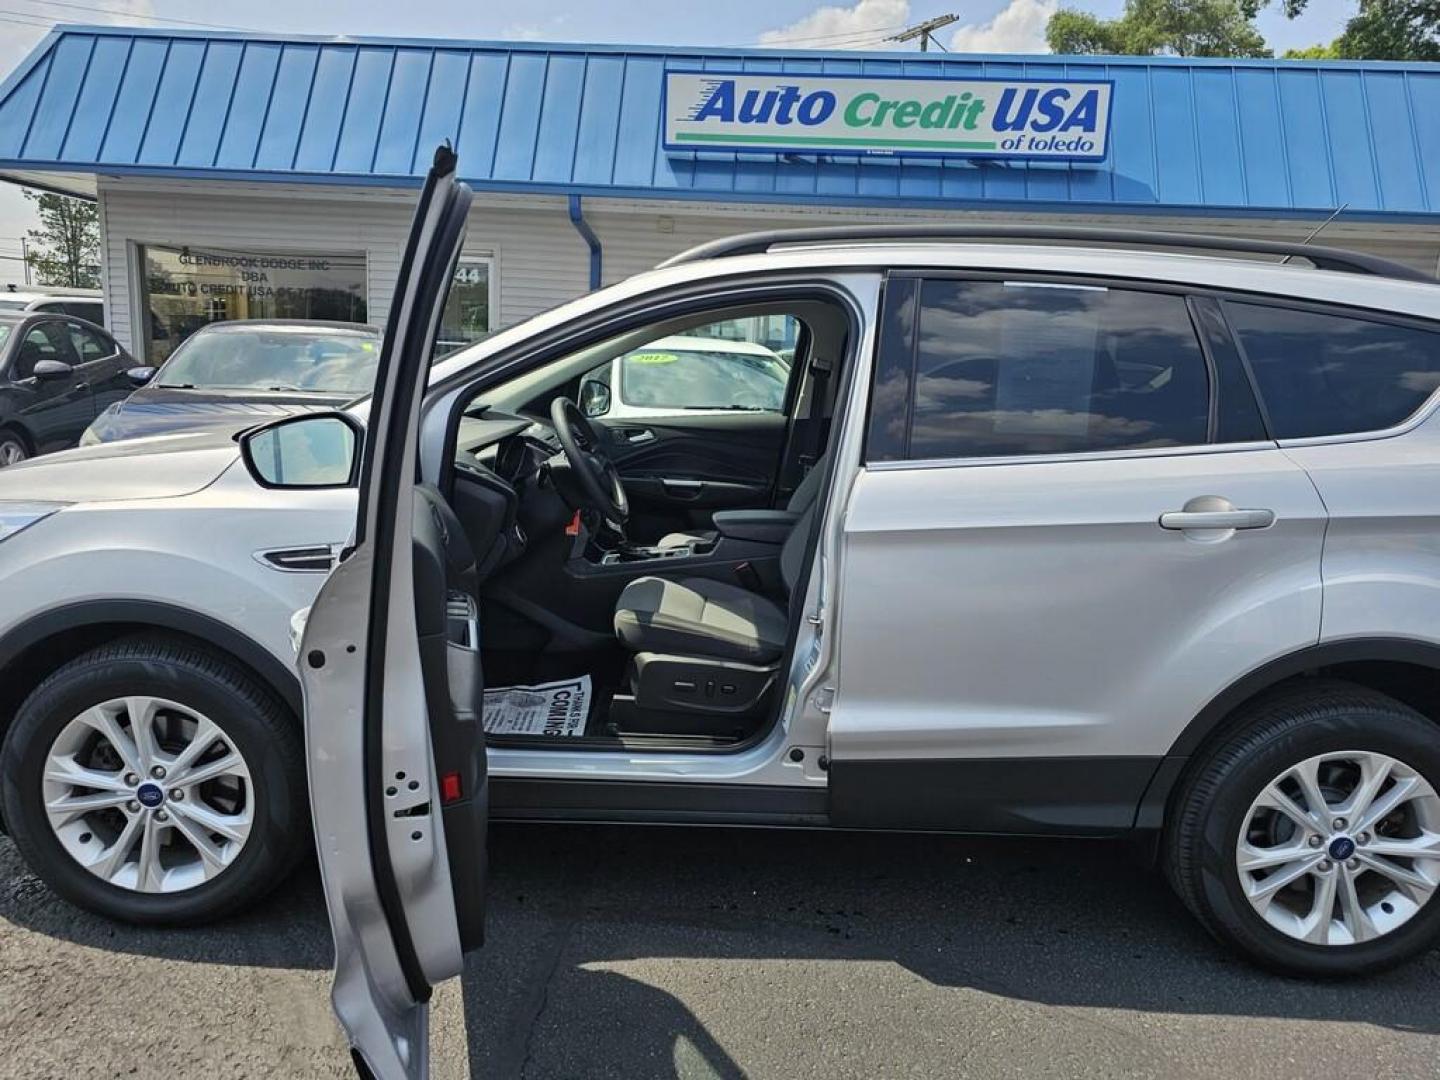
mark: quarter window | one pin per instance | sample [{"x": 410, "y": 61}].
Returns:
[
  {"x": 88, "y": 344},
  {"x": 1331, "y": 374},
  {"x": 1008, "y": 368}
]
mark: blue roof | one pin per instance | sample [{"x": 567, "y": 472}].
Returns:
[{"x": 1196, "y": 135}]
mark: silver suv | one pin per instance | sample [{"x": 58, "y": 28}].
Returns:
[{"x": 1067, "y": 537}]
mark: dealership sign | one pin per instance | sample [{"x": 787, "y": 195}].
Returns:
[{"x": 1032, "y": 119}]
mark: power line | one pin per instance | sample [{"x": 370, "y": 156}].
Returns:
[
  {"x": 140, "y": 15},
  {"x": 25, "y": 21},
  {"x": 874, "y": 32}
]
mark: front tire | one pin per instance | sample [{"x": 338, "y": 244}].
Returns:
[
  {"x": 1309, "y": 840},
  {"x": 155, "y": 782}
]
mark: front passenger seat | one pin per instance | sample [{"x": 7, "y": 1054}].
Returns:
[{"x": 702, "y": 617}]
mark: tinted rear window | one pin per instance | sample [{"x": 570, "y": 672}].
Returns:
[
  {"x": 1007, "y": 368},
  {"x": 1331, "y": 374}
]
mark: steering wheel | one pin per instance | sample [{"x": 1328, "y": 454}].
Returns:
[{"x": 596, "y": 473}]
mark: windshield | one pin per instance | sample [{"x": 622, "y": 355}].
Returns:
[
  {"x": 4, "y": 333},
  {"x": 274, "y": 359},
  {"x": 658, "y": 377},
  {"x": 11, "y": 304}
]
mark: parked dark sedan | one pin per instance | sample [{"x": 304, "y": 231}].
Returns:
[
  {"x": 242, "y": 370},
  {"x": 57, "y": 373}
]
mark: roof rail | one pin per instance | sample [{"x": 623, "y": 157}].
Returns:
[{"x": 1325, "y": 258}]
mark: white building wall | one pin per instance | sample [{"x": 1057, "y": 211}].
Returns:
[{"x": 539, "y": 258}]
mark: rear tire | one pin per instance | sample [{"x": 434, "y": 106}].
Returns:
[
  {"x": 251, "y": 746},
  {"x": 13, "y": 448},
  {"x": 1249, "y": 788}
]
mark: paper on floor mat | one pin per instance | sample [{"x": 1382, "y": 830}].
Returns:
[{"x": 553, "y": 708}]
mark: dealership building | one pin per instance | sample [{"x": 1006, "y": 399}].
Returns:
[{"x": 244, "y": 175}]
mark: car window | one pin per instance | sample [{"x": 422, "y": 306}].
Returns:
[
  {"x": 47, "y": 341},
  {"x": 11, "y": 304},
  {"x": 666, "y": 376},
  {"x": 50, "y": 307},
  {"x": 1005, "y": 368},
  {"x": 274, "y": 359},
  {"x": 1322, "y": 374},
  {"x": 88, "y": 344},
  {"x": 90, "y": 310}
]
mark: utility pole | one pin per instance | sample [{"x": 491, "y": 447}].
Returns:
[
  {"x": 25, "y": 254},
  {"x": 925, "y": 31}
]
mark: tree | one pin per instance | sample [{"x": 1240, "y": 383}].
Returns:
[
  {"x": 1171, "y": 27},
  {"x": 65, "y": 249},
  {"x": 1380, "y": 30}
]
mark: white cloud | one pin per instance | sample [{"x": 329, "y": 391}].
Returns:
[
  {"x": 863, "y": 25},
  {"x": 1019, "y": 28}
]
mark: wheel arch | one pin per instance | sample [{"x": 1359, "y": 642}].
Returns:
[
  {"x": 60, "y": 634},
  {"x": 1404, "y": 668},
  {"x": 14, "y": 425}
]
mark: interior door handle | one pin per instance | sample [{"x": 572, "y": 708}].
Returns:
[
  {"x": 637, "y": 436},
  {"x": 1214, "y": 512}
]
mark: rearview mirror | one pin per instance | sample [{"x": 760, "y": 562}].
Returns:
[
  {"x": 47, "y": 370},
  {"x": 141, "y": 375},
  {"x": 316, "y": 450},
  {"x": 594, "y": 398}
]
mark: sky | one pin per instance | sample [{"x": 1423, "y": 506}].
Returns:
[{"x": 1005, "y": 26}]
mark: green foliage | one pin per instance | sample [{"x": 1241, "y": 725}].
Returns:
[
  {"x": 1392, "y": 30},
  {"x": 1169, "y": 27},
  {"x": 65, "y": 249},
  {"x": 1380, "y": 30}
]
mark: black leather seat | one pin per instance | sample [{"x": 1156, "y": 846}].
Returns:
[{"x": 700, "y": 617}]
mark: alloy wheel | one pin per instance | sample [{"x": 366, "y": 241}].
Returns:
[
  {"x": 11, "y": 452},
  {"x": 1342, "y": 848},
  {"x": 148, "y": 794}
]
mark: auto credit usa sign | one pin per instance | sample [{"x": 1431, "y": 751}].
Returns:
[{"x": 1032, "y": 119}]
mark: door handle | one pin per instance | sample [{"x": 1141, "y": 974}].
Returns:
[
  {"x": 682, "y": 489},
  {"x": 637, "y": 436},
  {"x": 1214, "y": 512}
]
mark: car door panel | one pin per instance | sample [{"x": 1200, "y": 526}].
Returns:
[
  {"x": 678, "y": 470},
  {"x": 392, "y": 689},
  {"x": 1025, "y": 635},
  {"x": 53, "y": 412}
]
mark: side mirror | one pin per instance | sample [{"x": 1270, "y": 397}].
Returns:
[
  {"x": 594, "y": 398},
  {"x": 141, "y": 375},
  {"x": 316, "y": 450},
  {"x": 50, "y": 370}
]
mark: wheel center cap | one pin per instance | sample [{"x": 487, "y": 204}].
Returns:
[
  {"x": 150, "y": 795},
  {"x": 1341, "y": 848}
]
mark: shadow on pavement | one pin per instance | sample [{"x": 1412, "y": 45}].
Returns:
[{"x": 1060, "y": 924}]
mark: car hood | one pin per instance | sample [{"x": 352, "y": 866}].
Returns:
[
  {"x": 153, "y": 410},
  {"x": 155, "y": 468}
]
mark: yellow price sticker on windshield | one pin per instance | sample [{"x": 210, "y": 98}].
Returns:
[{"x": 653, "y": 358}]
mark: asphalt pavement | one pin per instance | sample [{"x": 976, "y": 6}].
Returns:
[{"x": 659, "y": 952}]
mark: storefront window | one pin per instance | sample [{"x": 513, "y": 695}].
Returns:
[
  {"x": 467, "y": 310},
  {"x": 187, "y": 287}
]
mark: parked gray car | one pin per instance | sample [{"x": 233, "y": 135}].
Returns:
[{"x": 1068, "y": 537}]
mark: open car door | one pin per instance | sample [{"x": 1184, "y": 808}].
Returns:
[{"x": 391, "y": 670}]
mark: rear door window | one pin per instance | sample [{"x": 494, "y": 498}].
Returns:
[
  {"x": 1324, "y": 374},
  {"x": 1005, "y": 368}
]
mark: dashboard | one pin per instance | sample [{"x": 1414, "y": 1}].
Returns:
[{"x": 500, "y": 491}]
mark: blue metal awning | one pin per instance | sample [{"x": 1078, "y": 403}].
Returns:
[{"x": 1192, "y": 136}]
